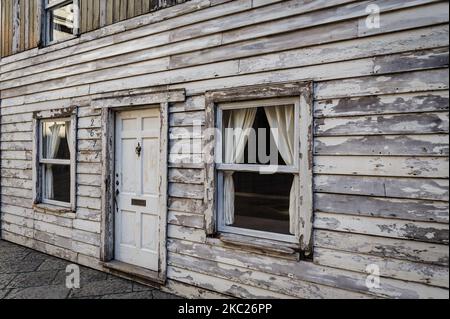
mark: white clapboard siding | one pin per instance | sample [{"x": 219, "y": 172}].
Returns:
[
  {"x": 383, "y": 247},
  {"x": 381, "y": 149}
]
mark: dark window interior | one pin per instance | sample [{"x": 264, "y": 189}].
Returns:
[
  {"x": 262, "y": 201},
  {"x": 61, "y": 182}
]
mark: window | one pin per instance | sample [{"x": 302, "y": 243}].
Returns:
[
  {"x": 62, "y": 20},
  {"x": 258, "y": 168},
  {"x": 54, "y": 169}
]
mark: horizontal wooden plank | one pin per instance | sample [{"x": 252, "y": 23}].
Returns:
[
  {"x": 432, "y": 167},
  {"x": 383, "y": 247},
  {"x": 420, "y": 231},
  {"x": 383, "y": 124},
  {"x": 418, "y": 81},
  {"x": 186, "y": 191},
  {"x": 391, "y": 268},
  {"x": 17, "y": 183},
  {"x": 17, "y": 155},
  {"x": 414, "y": 188},
  {"x": 14, "y": 191},
  {"x": 384, "y": 104},
  {"x": 186, "y": 233},
  {"x": 402, "y": 145},
  {"x": 16, "y": 173},
  {"x": 186, "y": 219},
  {"x": 187, "y": 176},
  {"x": 186, "y": 205},
  {"x": 405, "y": 209}
]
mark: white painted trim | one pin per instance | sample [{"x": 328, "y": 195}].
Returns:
[
  {"x": 255, "y": 168},
  {"x": 39, "y": 161},
  {"x": 284, "y": 169},
  {"x": 108, "y": 173}
]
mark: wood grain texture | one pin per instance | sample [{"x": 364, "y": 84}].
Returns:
[{"x": 379, "y": 137}]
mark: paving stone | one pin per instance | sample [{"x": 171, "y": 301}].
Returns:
[
  {"x": 133, "y": 295},
  {"x": 157, "y": 294},
  {"x": 140, "y": 287},
  {"x": 7, "y": 247},
  {"x": 12, "y": 256},
  {"x": 52, "y": 263},
  {"x": 5, "y": 279},
  {"x": 87, "y": 275},
  {"x": 29, "y": 274},
  {"x": 33, "y": 279},
  {"x": 100, "y": 288},
  {"x": 34, "y": 255},
  {"x": 43, "y": 292},
  {"x": 18, "y": 267},
  {"x": 3, "y": 292},
  {"x": 87, "y": 297}
]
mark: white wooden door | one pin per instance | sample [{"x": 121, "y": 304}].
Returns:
[{"x": 137, "y": 172}]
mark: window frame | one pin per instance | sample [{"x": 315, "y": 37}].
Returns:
[
  {"x": 39, "y": 162},
  {"x": 303, "y": 91},
  {"x": 253, "y": 168},
  {"x": 53, "y": 4}
]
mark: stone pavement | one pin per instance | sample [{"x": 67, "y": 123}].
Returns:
[{"x": 28, "y": 274}]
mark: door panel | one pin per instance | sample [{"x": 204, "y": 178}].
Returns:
[{"x": 138, "y": 181}]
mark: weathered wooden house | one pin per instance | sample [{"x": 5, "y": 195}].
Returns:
[{"x": 115, "y": 152}]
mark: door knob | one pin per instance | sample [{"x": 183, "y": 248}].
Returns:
[{"x": 138, "y": 149}]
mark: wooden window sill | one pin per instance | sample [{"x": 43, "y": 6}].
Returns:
[
  {"x": 265, "y": 246},
  {"x": 54, "y": 210}
]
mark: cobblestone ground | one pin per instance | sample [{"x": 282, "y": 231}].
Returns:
[{"x": 28, "y": 274}]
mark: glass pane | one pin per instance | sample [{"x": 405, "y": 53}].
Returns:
[
  {"x": 267, "y": 138},
  {"x": 55, "y": 140},
  {"x": 61, "y": 22},
  {"x": 56, "y": 182},
  {"x": 262, "y": 201}
]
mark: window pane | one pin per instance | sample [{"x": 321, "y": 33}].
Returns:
[
  {"x": 61, "y": 22},
  {"x": 56, "y": 182},
  {"x": 262, "y": 201},
  {"x": 263, "y": 137},
  {"x": 55, "y": 140}
]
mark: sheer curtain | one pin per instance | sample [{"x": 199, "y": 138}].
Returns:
[
  {"x": 69, "y": 143},
  {"x": 52, "y": 145},
  {"x": 235, "y": 138},
  {"x": 281, "y": 118}
]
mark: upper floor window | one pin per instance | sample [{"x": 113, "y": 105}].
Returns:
[{"x": 61, "y": 20}]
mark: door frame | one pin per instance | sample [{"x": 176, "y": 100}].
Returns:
[{"x": 110, "y": 104}]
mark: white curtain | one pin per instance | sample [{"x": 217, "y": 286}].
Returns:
[
  {"x": 236, "y": 134},
  {"x": 281, "y": 121},
  {"x": 53, "y": 139},
  {"x": 69, "y": 143}
]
